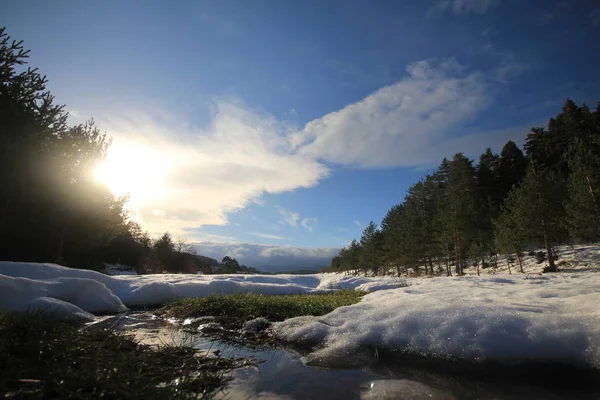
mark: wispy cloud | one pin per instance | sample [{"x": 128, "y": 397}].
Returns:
[
  {"x": 357, "y": 223},
  {"x": 404, "y": 124},
  {"x": 309, "y": 223},
  {"x": 462, "y": 7},
  {"x": 181, "y": 177},
  {"x": 266, "y": 236},
  {"x": 289, "y": 217},
  {"x": 509, "y": 70}
]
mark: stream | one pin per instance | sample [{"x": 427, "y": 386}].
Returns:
[{"x": 283, "y": 375}]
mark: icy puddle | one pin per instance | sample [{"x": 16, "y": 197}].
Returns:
[{"x": 283, "y": 375}]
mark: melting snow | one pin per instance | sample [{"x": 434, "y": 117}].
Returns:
[
  {"x": 554, "y": 317},
  {"x": 75, "y": 291},
  {"x": 505, "y": 318}
]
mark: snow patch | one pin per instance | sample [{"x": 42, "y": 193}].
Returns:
[{"x": 510, "y": 319}]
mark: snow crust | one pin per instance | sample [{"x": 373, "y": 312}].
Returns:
[{"x": 508, "y": 318}]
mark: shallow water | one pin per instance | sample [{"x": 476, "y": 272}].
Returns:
[{"x": 283, "y": 375}]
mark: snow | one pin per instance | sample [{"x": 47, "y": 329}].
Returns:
[
  {"x": 508, "y": 318},
  {"x": 581, "y": 258},
  {"x": 33, "y": 285},
  {"x": 69, "y": 297}
]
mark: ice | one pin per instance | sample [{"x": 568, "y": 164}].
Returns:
[{"x": 509, "y": 319}]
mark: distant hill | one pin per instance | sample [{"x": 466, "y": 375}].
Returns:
[
  {"x": 207, "y": 260},
  {"x": 299, "y": 272},
  {"x": 268, "y": 258}
]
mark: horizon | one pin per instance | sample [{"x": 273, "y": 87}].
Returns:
[{"x": 280, "y": 129}]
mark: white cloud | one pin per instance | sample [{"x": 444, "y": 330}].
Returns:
[
  {"x": 463, "y": 7},
  {"x": 404, "y": 124},
  {"x": 182, "y": 177},
  {"x": 289, "y": 217},
  {"x": 357, "y": 223},
  {"x": 266, "y": 236},
  {"x": 309, "y": 223},
  {"x": 509, "y": 69}
]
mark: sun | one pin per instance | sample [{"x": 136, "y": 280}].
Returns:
[{"x": 134, "y": 169}]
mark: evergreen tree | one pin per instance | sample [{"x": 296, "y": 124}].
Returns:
[
  {"x": 461, "y": 206},
  {"x": 371, "y": 243},
  {"x": 350, "y": 257},
  {"x": 489, "y": 198},
  {"x": 229, "y": 266},
  {"x": 583, "y": 204},
  {"x": 536, "y": 209},
  {"x": 512, "y": 167}
]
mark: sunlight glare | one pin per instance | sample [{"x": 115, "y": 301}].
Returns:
[{"x": 135, "y": 169}]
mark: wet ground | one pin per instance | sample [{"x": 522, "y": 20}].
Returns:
[{"x": 284, "y": 375}]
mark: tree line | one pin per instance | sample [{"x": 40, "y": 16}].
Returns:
[
  {"x": 52, "y": 209},
  {"x": 504, "y": 204}
]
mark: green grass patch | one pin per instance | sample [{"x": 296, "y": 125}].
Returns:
[
  {"x": 44, "y": 357},
  {"x": 233, "y": 310}
]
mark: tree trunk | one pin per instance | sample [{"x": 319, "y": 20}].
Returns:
[
  {"x": 547, "y": 246},
  {"x": 519, "y": 259},
  {"x": 508, "y": 263},
  {"x": 589, "y": 186},
  {"x": 448, "y": 270}
]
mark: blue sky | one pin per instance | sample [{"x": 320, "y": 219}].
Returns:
[{"x": 294, "y": 123}]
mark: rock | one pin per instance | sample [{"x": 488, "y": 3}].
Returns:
[
  {"x": 256, "y": 325},
  {"x": 210, "y": 327}
]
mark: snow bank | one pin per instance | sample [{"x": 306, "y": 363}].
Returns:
[
  {"x": 70, "y": 297},
  {"x": 35, "y": 285},
  {"x": 509, "y": 318},
  {"x": 506, "y": 318}
]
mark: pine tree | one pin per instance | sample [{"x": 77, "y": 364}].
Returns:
[
  {"x": 512, "y": 167},
  {"x": 489, "y": 199},
  {"x": 535, "y": 208},
  {"x": 394, "y": 238},
  {"x": 461, "y": 206},
  {"x": 583, "y": 204},
  {"x": 371, "y": 243}
]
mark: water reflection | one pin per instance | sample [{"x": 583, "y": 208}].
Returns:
[{"x": 284, "y": 376}]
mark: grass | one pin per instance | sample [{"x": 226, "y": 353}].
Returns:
[
  {"x": 44, "y": 357},
  {"x": 234, "y": 309}
]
